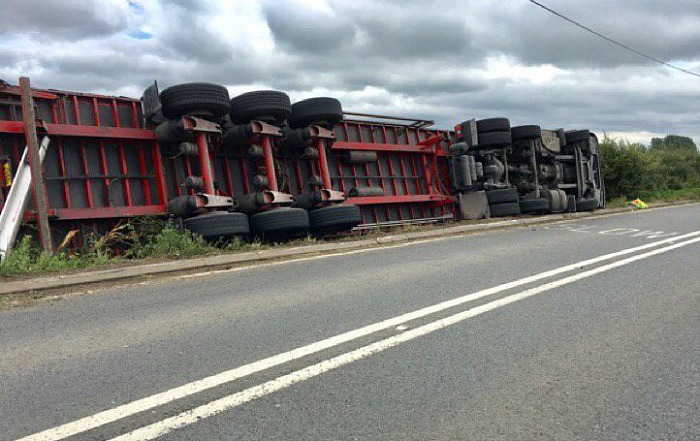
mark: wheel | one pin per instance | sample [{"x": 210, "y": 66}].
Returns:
[
  {"x": 493, "y": 125},
  {"x": 218, "y": 225},
  {"x": 556, "y": 200},
  {"x": 500, "y": 196},
  {"x": 270, "y": 106},
  {"x": 282, "y": 222},
  {"x": 535, "y": 205},
  {"x": 505, "y": 209},
  {"x": 494, "y": 139},
  {"x": 526, "y": 132},
  {"x": 198, "y": 99},
  {"x": 335, "y": 218},
  {"x": 589, "y": 204},
  {"x": 323, "y": 111},
  {"x": 577, "y": 136}
]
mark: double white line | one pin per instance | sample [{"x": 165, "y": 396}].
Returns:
[{"x": 183, "y": 419}]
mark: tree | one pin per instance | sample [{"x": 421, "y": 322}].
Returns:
[{"x": 674, "y": 143}]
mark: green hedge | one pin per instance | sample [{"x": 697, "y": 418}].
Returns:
[{"x": 632, "y": 170}]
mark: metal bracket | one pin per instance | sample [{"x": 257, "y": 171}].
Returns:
[
  {"x": 277, "y": 198},
  {"x": 328, "y": 195},
  {"x": 194, "y": 124},
  {"x": 263, "y": 128},
  {"x": 205, "y": 200},
  {"x": 320, "y": 132}
]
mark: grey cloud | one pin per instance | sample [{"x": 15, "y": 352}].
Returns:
[
  {"x": 61, "y": 20},
  {"x": 307, "y": 32},
  {"x": 422, "y": 53},
  {"x": 536, "y": 36},
  {"x": 411, "y": 29}
]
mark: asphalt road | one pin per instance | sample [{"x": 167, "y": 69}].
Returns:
[{"x": 607, "y": 349}]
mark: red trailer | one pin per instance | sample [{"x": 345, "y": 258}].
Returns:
[{"x": 104, "y": 164}]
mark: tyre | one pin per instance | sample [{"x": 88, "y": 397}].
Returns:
[
  {"x": 493, "y": 125},
  {"x": 270, "y": 106},
  {"x": 589, "y": 204},
  {"x": 556, "y": 199},
  {"x": 323, "y": 111},
  {"x": 280, "y": 223},
  {"x": 536, "y": 205},
  {"x": 500, "y": 196},
  {"x": 505, "y": 209},
  {"x": 335, "y": 218},
  {"x": 198, "y": 99},
  {"x": 577, "y": 136},
  {"x": 526, "y": 132},
  {"x": 494, "y": 139},
  {"x": 218, "y": 225}
]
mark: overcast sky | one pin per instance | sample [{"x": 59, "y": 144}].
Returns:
[{"x": 442, "y": 60}]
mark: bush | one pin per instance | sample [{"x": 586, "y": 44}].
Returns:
[{"x": 632, "y": 170}]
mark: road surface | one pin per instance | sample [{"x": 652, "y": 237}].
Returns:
[{"x": 583, "y": 330}]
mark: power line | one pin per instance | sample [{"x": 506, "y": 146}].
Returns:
[{"x": 615, "y": 42}]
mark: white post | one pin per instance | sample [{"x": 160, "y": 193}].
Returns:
[{"x": 13, "y": 211}]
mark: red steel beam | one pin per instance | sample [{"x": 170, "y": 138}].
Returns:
[
  {"x": 14, "y": 90},
  {"x": 78, "y": 130},
  {"x": 158, "y": 164},
  {"x": 205, "y": 167},
  {"x": 105, "y": 212},
  {"x": 370, "y": 200},
  {"x": 269, "y": 163},
  {"x": 405, "y": 148}
]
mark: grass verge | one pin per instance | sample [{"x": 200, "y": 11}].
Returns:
[
  {"x": 141, "y": 239},
  {"x": 157, "y": 239}
]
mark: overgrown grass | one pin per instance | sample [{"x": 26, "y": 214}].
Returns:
[
  {"x": 27, "y": 258},
  {"x": 684, "y": 194},
  {"x": 143, "y": 238},
  {"x": 170, "y": 242}
]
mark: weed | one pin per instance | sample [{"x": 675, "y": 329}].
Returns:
[
  {"x": 27, "y": 258},
  {"x": 169, "y": 242}
]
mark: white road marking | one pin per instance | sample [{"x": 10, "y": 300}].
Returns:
[
  {"x": 140, "y": 405},
  {"x": 631, "y": 232},
  {"x": 215, "y": 407}
]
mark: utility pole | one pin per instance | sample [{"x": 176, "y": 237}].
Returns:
[{"x": 38, "y": 188}]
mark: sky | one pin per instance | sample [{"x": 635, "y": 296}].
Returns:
[{"x": 446, "y": 61}]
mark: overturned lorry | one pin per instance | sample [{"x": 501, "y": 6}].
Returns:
[
  {"x": 258, "y": 165},
  {"x": 499, "y": 170}
]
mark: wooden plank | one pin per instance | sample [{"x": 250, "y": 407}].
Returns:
[{"x": 37, "y": 185}]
